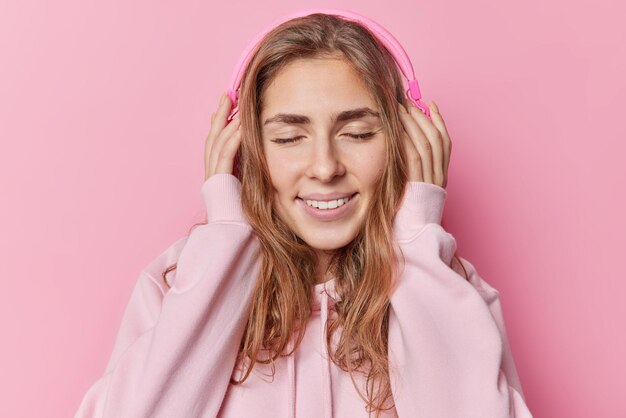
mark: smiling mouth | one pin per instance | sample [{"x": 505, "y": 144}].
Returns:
[
  {"x": 329, "y": 214},
  {"x": 351, "y": 196}
]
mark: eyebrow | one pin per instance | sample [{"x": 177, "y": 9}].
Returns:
[{"x": 291, "y": 118}]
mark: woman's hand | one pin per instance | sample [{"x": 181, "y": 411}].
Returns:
[
  {"x": 223, "y": 140},
  {"x": 428, "y": 144}
]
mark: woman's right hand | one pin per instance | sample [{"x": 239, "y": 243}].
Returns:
[{"x": 223, "y": 140}]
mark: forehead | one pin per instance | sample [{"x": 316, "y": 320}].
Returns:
[{"x": 317, "y": 87}]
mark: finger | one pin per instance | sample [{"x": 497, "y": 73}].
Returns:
[
  {"x": 413, "y": 158},
  {"x": 218, "y": 144},
  {"x": 218, "y": 122},
  {"x": 208, "y": 143},
  {"x": 435, "y": 140},
  {"x": 414, "y": 163},
  {"x": 447, "y": 142},
  {"x": 422, "y": 144},
  {"x": 226, "y": 159},
  {"x": 223, "y": 137}
]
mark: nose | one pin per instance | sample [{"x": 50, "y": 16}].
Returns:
[{"x": 325, "y": 161}]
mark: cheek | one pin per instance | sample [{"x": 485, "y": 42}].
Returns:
[
  {"x": 281, "y": 171},
  {"x": 274, "y": 161},
  {"x": 371, "y": 162}
]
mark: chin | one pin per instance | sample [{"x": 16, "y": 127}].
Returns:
[{"x": 327, "y": 243}]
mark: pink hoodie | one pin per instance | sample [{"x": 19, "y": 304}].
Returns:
[{"x": 176, "y": 348}]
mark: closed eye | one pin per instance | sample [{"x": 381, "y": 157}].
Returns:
[{"x": 295, "y": 138}]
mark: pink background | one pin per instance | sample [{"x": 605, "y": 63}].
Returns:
[{"x": 104, "y": 109}]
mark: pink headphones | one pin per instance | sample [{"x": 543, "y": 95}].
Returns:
[{"x": 413, "y": 92}]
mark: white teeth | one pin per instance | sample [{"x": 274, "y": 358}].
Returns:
[{"x": 329, "y": 204}]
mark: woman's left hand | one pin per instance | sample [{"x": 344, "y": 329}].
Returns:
[{"x": 428, "y": 144}]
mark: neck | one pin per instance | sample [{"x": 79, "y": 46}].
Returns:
[{"x": 323, "y": 259}]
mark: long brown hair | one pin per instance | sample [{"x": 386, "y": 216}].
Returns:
[{"x": 362, "y": 269}]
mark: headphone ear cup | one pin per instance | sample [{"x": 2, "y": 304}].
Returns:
[
  {"x": 232, "y": 114},
  {"x": 234, "y": 108},
  {"x": 420, "y": 106}
]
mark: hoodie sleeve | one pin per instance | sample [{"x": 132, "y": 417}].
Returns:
[
  {"x": 176, "y": 347},
  {"x": 448, "y": 347}
]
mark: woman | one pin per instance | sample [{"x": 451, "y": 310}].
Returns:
[{"x": 322, "y": 283}]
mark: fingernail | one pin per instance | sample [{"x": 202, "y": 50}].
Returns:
[
  {"x": 403, "y": 109},
  {"x": 222, "y": 98},
  {"x": 433, "y": 107}
]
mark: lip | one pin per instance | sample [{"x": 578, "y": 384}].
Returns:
[
  {"x": 328, "y": 214},
  {"x": 328, "y": 196}
]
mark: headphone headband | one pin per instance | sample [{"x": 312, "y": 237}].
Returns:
[{"x": 413, "y": 92}]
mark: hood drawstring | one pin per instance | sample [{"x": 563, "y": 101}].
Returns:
[
  {"x": 292, "y": 381},
  {"x": 320, "y": 299},
  {"x": 328, "y": 402}
]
